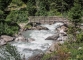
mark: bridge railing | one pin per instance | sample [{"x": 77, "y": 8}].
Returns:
[{"x": 48, "y": 19}]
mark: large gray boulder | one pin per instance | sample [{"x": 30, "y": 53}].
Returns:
[
  {"x": 7, "y": 38},
  {"x": 54, "y": 37}
]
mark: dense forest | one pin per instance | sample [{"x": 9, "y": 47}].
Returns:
[{"x": 13, "y": 12}]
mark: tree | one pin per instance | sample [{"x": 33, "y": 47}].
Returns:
[
  {"x": 75, "y": 13},
  {"x": 4, "y": 4},
  {"x": 31, "y": 7},
  {"x": 17, "y": 16},
  {"x": 42, "y": 7},
  {"x": 1, "y": 15}
]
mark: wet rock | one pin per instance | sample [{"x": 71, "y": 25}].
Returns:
[
  {"x": 59, "y": 39},
  {"x": 62, "y": 29},
  {"x": 7, "y": 38},
  {"x": 64, "y": 34},
  {"x": 52, "y": 48},
  {"x": 54, "y": 37},
  {"x": 31, "y": 39},
  {"x": 20, "y": 38},
  {"x": 41, "y": 28}
]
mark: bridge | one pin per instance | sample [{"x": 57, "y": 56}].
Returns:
[
  {"x": 48, "y": 19},
  {"x": 44, "y": 20}
]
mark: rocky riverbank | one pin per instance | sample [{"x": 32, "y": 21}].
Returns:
[{"x": 59, "y": 38}]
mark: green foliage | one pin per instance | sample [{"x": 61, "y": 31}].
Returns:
[
  {"x": 17, "y": 16},
  {"x": 13, "y": 52},
  {"x": 18, "y": 2},
  {"x": 75, "y": 13},
  {"x": 46, "y": 57},
  {"x": 79, "y": 37},
  {"x": 60, "y": 54},
  {"x": 9, "y": 53},
  {"x": 31, "y": 7},
  {"x": 67, "y": 51},
  {"x": 54, "y": 13},
  {"x": 7, "y": 29},
  {"x": 71, "y": 30},
  {"x": 4, "y": 4},
  {"x": 42, "y": 8},
  {"x": 2, "y": 15},
  {"x": 75, "y": 50},
  {"x": 1, "y": 12}
]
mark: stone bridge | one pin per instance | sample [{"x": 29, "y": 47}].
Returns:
[{"x": 48, "y": 19}]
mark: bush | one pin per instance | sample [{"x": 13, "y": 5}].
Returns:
[
  {"x": 8, "y": 29},
  {"x": 75, "y": 50},
  {"x": 79, "y": 37},
  {"x": 53, "y": 13},
  {"x": 17, "y": 16},
  {"x": 9, "y": 53},
  {"x": 75, "y": 13}
]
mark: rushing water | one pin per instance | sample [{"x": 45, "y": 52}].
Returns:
[{"x": 40, "y": 44}]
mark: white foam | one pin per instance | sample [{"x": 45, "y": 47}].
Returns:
[{"x": 53, "y": 26}]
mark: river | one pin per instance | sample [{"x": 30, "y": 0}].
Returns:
[{"x": 40, "y": 45}]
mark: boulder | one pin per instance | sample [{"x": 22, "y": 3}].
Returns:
[
  {"x": 64, "y": 34},
  {"x": 54, "y": 37},
  {"x": 53, "y": 47},
  {"x": 2, "y": 42},
  {"x": 20, "y": 38},
  {"x": 7, "y": 38},
  {"x": 59, "y": 39},
  {"x": 62, "y": 28},
  {"x": 41, "y": 28}
]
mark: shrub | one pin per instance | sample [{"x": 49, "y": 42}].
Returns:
[
  {"x": 79, "y": 37},
  {"x": 17, "y": 16},
  {"x": 8, "y": 29},
  {"x": 9, "y": 53}
]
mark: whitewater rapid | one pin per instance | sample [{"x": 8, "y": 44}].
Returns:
[{"x": 38, "y": 46}]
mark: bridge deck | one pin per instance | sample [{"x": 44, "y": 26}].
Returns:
[{"x": 47, "y": 19}]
